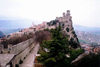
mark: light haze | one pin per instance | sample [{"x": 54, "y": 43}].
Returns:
[{"x": 84, "y": 12}]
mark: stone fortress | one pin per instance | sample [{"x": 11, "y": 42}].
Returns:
[
  {"x": 16, "y": 54},
  {"x": 66, "y": 24}
]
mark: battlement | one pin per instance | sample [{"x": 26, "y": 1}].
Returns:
[
  {"x": 67, "y": 26},
  {"x": 65, "y": 17}
]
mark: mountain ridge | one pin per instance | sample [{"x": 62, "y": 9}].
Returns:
[
  {"x": 1, "y": 34},
  {"x": 93, "y": 30}
]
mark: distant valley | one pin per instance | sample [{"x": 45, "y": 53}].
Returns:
[
  {"x": 88, "y": 35},
  {"x": 11, "y": 26},
  {"x": 93, "y": 30},
  {"x": 8, "y": 31},
  {"x": 88, "y": 38}
]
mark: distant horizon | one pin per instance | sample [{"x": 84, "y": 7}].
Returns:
[
  {"x": 31, "y": 22},
  {"x": 10, "y": 26},
  {"x": 28, "y": 23}
]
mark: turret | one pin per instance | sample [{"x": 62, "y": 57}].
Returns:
[
  {"x": 68, "y": 13},
  {"x": 64, "y": 15}
]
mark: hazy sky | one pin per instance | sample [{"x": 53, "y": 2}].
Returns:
[{"x": 84, "y": 12}]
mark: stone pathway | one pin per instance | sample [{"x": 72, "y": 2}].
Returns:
[
  {"x": 5, "y": 58},
  {"x": 29, "y": 61}
]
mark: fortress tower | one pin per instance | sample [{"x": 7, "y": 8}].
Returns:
[
  {"x": 66, "y": 24},
  {"x": 64, "y": 14},
  {"x": 68, "y": 13}
]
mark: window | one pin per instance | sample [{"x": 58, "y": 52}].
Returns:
[{"x": 67, "y": 29}]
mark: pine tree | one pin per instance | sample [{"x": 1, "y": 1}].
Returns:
[{"x": 54, "y": 51}]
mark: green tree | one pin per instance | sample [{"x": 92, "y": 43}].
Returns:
[{"x": 54, "y": 51}]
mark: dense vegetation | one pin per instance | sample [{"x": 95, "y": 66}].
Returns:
[{"x": 57, "y": 52}]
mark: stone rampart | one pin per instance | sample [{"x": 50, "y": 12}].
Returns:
[{"x": 19, "y": 51}]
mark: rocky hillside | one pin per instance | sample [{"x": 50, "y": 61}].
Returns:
[{"x": 67, "y": 28}]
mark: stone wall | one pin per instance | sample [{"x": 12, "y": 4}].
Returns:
[
  {"x": 21, "y": 46},
  {"x": 18, "y": 59},
  {"x": 19, "y": 51}
]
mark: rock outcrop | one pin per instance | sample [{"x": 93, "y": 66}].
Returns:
[{"x": 67, "y": 27}]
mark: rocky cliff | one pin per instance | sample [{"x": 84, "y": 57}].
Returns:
[{"x": 67, "y": 27}]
